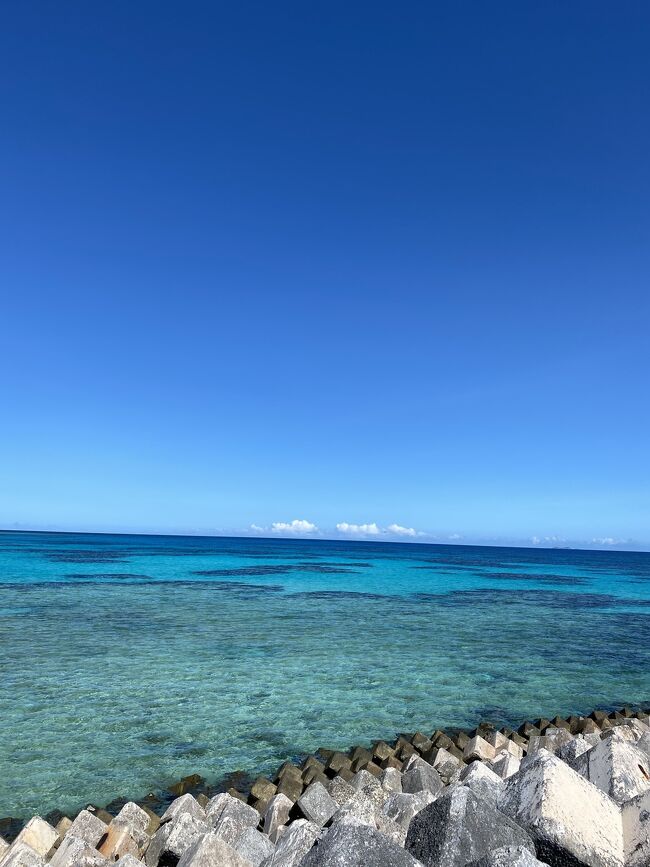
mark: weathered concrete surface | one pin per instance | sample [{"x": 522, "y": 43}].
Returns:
[
  {"x": 134, "y": 817},
  {"x": 357, "y": 846},
  {"x": 505, "y": 765},
  {"x": 508, "y": 856},
  {"x": 446, "y": 764},
  {"x": 173, "y": 839},
  {"x": 635, "y": 816},
  {"x": 370, "y": 787},
  {"x": 479, "y": 748},
  {"x": 293, "y": 845},
  {"x": 88, "y": 827},
  {"x": 391, "y": 780},
  {"x": 618, "y": 767},
  {"x": 185, "y": 804},
  {"x": 209, "y": 850},
  {"x": 420, "y": 776},
  {"x": 316, "y": 805},
  {"x": 571, "y": 821},
  {"x": 75, "y": 852},
  {"x": 458, "y": 828},
  {"x": 276, "y": 815},
  {"x": 229, "y": 816},
  {"x": 483, "y": 781},
  {"x": 401, "y": 807},
  {"x": 39, "y": 835},
  {"x": 22, "y": 855},
  {"x": 340, "y": 790},
  {"x": 253, "y": 846}
]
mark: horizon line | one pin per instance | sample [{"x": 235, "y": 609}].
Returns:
[{"x": 306, "y": 538}]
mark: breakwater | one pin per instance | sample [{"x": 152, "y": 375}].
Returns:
[{"x": 564, "y": 791}]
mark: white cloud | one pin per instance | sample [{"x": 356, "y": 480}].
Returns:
[
  {"x": 296, "y": 527},
  {"x": 610, "y": 540},
  {"x": 257, "y": 529},
  {"x": 358, "y": 529},
  {"x": 397, "y": 530}
]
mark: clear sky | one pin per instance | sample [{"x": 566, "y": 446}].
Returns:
[{"x": 343, "y": 263}]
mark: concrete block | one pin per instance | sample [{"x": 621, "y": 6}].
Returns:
[
  {"x": 571, "y": 821},
  {"x": 460, "y": 827},
  {"x": 357, "y": 846}
]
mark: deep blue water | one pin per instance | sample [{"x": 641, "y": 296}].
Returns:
[{"x": 130, "y": 661}]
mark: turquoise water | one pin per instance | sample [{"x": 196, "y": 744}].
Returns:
[{"x": 130, "y": 661}]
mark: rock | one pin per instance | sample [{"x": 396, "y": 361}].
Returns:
[
  {"x": 571, "y": 821},
  {"x": 253, "y": 846},
  {"x": 172, "y": 840},
  {"x": 370, "y": 787},
  {"x": 402, "y": 807},
  {"x": 420, "y": 777},
  {"x": 505, "y": 765},
  {"x": 185, "y": 804},
  {"x": 391, "y": 780},
  {"x": 316, "y": 805},
  {"x": 357, "y": 846},
  {"x": 22, "y": 855},
  {"x": 460, "y": 827},
  {"x": 293, "y": 845},
  {"x": 340, "y": 791},
  {"x": 87, "y": 827},
  {"x": 276, "y": 815},
  {"x": 39, "y": 835},
  {"x": 479, "y": 748},
  {"x": 508, "y": 856},
  {"x": 617, "y": 767},
  {"x": 483, "y": 781},
  {"x": 209, "y": 850},
  {"x": 229, "y": 817}
]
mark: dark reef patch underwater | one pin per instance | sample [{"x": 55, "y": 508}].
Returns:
[{"x": 207, "y": 655}]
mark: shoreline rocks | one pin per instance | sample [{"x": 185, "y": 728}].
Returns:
[{"x": 571, "y": 792}]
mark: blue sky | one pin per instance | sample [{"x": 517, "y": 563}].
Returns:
[{"x": 349, "y": 264}]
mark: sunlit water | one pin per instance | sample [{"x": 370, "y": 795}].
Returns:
[{"x": 128, "y": 662}]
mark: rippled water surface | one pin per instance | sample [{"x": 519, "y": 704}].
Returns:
[{"x": 130, "y": 661}]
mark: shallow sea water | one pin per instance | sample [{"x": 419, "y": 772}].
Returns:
[{"x": 128, "y": 662}]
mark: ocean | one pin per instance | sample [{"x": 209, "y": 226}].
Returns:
[{"x": 128, "y": 662}]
